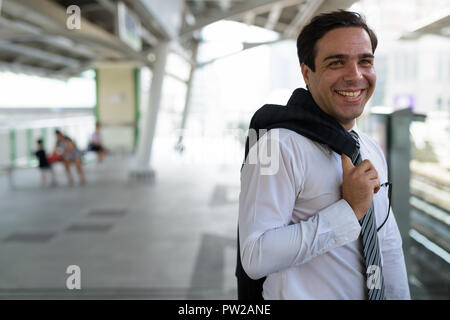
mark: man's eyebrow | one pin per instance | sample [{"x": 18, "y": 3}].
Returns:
[
  {"x": 366, "y": 55},
  {"x": 344, "y": 56},
  {"x": 335, "y": 56}
]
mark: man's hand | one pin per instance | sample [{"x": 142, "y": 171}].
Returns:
[{"x": 359, "y": 184}]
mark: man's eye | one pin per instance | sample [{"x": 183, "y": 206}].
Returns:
[
  {"x": 367, "y": 62},
  {"x": 336, "y": 63}
]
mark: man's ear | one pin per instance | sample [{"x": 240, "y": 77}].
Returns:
[{"x": 306, "y": 71}]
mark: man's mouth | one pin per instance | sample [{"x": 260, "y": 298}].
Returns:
[{"x": 350, "y": 94}]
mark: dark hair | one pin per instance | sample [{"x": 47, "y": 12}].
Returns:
[
  {"x": 39, "y": 141},
  {"x": 57, "y": 131},
  {"x": 320, "y": 25}
]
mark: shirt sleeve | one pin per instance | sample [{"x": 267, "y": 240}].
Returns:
[{"x": 269, "y": 242}]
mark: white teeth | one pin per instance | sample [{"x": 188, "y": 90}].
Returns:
[{"x": 349, "y": 93}]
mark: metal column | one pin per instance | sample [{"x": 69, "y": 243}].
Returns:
[
  {"x": 179, "y": 146},
  {"x": 391, "y": 129},
  {"x": 141, "y": 167}
]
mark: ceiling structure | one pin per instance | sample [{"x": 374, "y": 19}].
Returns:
[
  {"x": 35, "y": 39},
  {"x": 438, "y": 24}
]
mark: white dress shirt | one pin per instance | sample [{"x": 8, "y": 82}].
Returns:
[{"x": 295, "y": 228}]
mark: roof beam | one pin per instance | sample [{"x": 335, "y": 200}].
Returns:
[
  {"x": 179, "y": 50},
  {"x": 33, "y": 33},
  {"x": 224, "y": 4},
  {"x": 435, "y": 24},
  {"x": 69, "y": 70},
  {"x": 108, "y": 5},
  {"x": 39, "y": 54},
  {"x": 306, "y": 12},
  {"x": 274, "y": 15},
  {"x": 237, "y": 10},
  {"x": 261, "y": 21},
  {"x": 141, "y": 8},
  {"x": 20, "y": 68},
  {"x": 51, "y": 17},
  {"x": 148, "y": 37},
  {"x": 249, "y": 18},
  {"x": 246, "y": 46}
]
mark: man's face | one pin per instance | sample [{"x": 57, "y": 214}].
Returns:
[{"x": 345, "y": 78}]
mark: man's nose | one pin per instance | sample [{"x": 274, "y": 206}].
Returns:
[{"x": 352, "y": 72}]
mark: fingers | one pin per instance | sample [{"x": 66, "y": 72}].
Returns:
[
  {"x": 364, "y": 169},
  {"x": 365, "y": 165},
  {"x": 372, "y": 174},
  {"x": 376, "y": 186},
  {"x": 347, "y": 164}
]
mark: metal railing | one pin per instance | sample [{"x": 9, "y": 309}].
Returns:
[{"x": 430, "y": 227}]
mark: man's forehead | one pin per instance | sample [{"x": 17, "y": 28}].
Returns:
[{"x": 346, "y": 41}]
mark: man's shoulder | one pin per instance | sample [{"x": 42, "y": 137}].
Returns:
[
  {"x": 292, "y": 142},
  {"x": 288, "y": 136}
]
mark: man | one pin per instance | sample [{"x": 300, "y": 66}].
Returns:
[{"x": 318, "y": 226}]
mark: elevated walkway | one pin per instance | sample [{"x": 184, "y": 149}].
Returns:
[{"x": 172, "y": 239}]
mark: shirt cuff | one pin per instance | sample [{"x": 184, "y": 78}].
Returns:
[{"x": 342, "y": 221}]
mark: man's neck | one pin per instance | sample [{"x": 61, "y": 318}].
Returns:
[{"x": 348, "y": 126}]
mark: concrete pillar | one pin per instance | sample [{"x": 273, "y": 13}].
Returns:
[
  {"x": 116, "y": 105},
  {"x": 179, "y": 145},
  {"x": 141, "y": 167}
]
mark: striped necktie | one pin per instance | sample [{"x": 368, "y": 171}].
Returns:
[{"x": 371, "y": 249}]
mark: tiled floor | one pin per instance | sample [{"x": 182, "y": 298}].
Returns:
[
  {"x": 171, "y": 239},
  {"x": 174, "y": 238}
]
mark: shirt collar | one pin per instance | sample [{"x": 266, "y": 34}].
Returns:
[{"x": 355, "y": 128}]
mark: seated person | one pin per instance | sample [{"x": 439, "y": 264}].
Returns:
[
  {"x": 67, "y": 149},
  {"x": 44, "y": 165},
  {"x": 96, "y": 145}
]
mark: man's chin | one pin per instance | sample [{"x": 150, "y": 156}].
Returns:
[
  {"x": 351, "y": 110},
  {"x": 348, "y": 117}
]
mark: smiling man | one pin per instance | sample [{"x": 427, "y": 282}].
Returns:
[
  {"x": 342, "y": 77},
  {"x": 320, "y": 226}
]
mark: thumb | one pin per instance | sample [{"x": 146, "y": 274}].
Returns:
[{"x": 346, "y": 163}]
